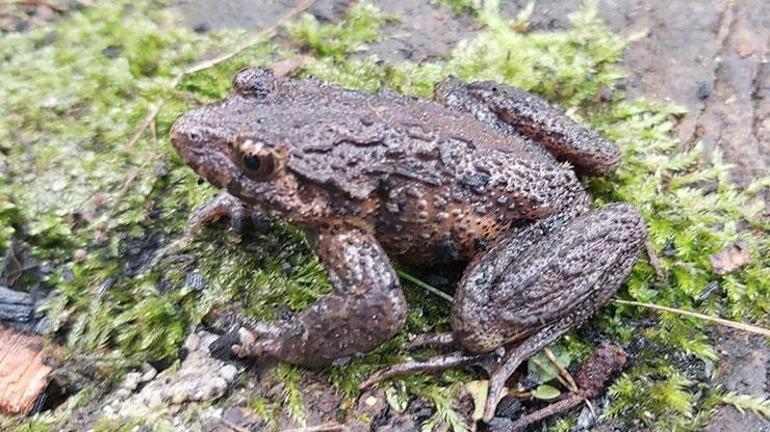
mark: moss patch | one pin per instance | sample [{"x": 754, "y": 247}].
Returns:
[{"x": 94, "y": 201}]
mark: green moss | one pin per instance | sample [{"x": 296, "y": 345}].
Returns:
[
  {"x": 338, "y": 40},
  {"x": 459, "y": 6},
  {"x": 74, "y": 178}
]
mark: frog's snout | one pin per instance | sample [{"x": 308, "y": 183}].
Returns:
[{"x": 185, "y": 136}]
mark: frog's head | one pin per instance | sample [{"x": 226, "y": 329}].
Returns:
[{"x": 226, "y": 144}]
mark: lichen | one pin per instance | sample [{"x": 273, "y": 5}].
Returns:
[{"x": 94, "y": 200}]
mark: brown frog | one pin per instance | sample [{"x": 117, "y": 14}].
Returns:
[{"x": 476, "y": 175}]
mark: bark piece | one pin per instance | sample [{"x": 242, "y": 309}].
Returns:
[{"x": 23, "y": 374}]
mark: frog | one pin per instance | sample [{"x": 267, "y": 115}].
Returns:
[{"x": 483, "y": 174}]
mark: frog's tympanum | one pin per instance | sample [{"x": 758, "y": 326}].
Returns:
[{"x": 478, "y": 175}]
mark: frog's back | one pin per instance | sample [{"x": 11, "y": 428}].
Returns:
[{"x": 444, "y": 182}]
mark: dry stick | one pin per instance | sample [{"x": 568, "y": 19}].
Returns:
[
  {"x": 33, "y": 3},
  {"x": 721, "y": 321},
  {"x": 563, "y": 372},
  {"x": 727, "y": 323},
  {"x": 326, "y": 427}
]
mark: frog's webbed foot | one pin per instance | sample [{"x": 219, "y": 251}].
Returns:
[{"x": 517, "y": 112}]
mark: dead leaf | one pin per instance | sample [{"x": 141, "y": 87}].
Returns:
[
  {"x": 478, "y": 389},
  {"x": 730, "y": 258}
]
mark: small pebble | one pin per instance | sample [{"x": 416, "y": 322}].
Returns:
[
  {"x": 191, "y": 344},
  {"x": 122, "y": 393},
  {"x": 148, "y": 373},
  {"x": 219, "y": 386},
  {"x": 179, "y": 397},
  {"x": 131, "y": 382},
  {"x": 586, "y": 419},
  {"x": 195, "y": 280},
  {"x": 155, "y": 400},
  {"x": 704, "y": 91},
  {"x": 228, "y": 372}
]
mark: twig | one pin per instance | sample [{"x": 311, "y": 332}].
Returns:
[
  {"x": 302, "y": 6},
  {"x": 149, "y": 119},
  {"x": 721, "y": 321},
  {"x": 33, "y": 3},
  {"x": 318, "y": 428},
  {"x": 424, "y": 285},
  {"x": 563, "y": 372},
  {"x": 590, "y": 406}
]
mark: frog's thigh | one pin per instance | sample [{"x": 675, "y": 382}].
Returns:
[
  {"x": 523, "y": 285},
  {"x": 518, "y": 112},
  {"x": 365, "y": 309}
]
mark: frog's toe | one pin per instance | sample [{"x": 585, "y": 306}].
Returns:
[
  {"x": 432, "y": 339},
  {"x": 436, "y": 364},
  {"x": 256, "y": 349}
]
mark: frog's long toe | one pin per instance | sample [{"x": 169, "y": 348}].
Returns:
[
  {"x": 432, "y": 339},
  {"x": 436, "y": 364}
]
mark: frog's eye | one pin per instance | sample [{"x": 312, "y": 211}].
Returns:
[{"x": 258, "y": 161}]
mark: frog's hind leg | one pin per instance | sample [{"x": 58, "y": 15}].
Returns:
[
  {"x": 517, "y": 112},
  {"x": 529, "y": 298}
]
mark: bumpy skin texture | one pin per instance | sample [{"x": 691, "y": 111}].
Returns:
[{"x": 474, "y": 176}]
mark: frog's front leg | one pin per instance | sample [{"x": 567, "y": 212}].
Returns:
[
  {"x": 223, "y": 205},
  {"x": 517, "y": 112},
  {"x": 365, "y": 309}
]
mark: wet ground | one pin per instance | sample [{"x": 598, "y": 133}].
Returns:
[{"x": 710, "y": 57}]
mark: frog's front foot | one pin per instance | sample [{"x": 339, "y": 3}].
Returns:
[
  {"x": 259, "y": 340},
  {"x": 222, "y": 205},
  {"x": 365, "y": 308}
]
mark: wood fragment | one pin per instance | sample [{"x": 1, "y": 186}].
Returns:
[{"x": 23, "y": 373}]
